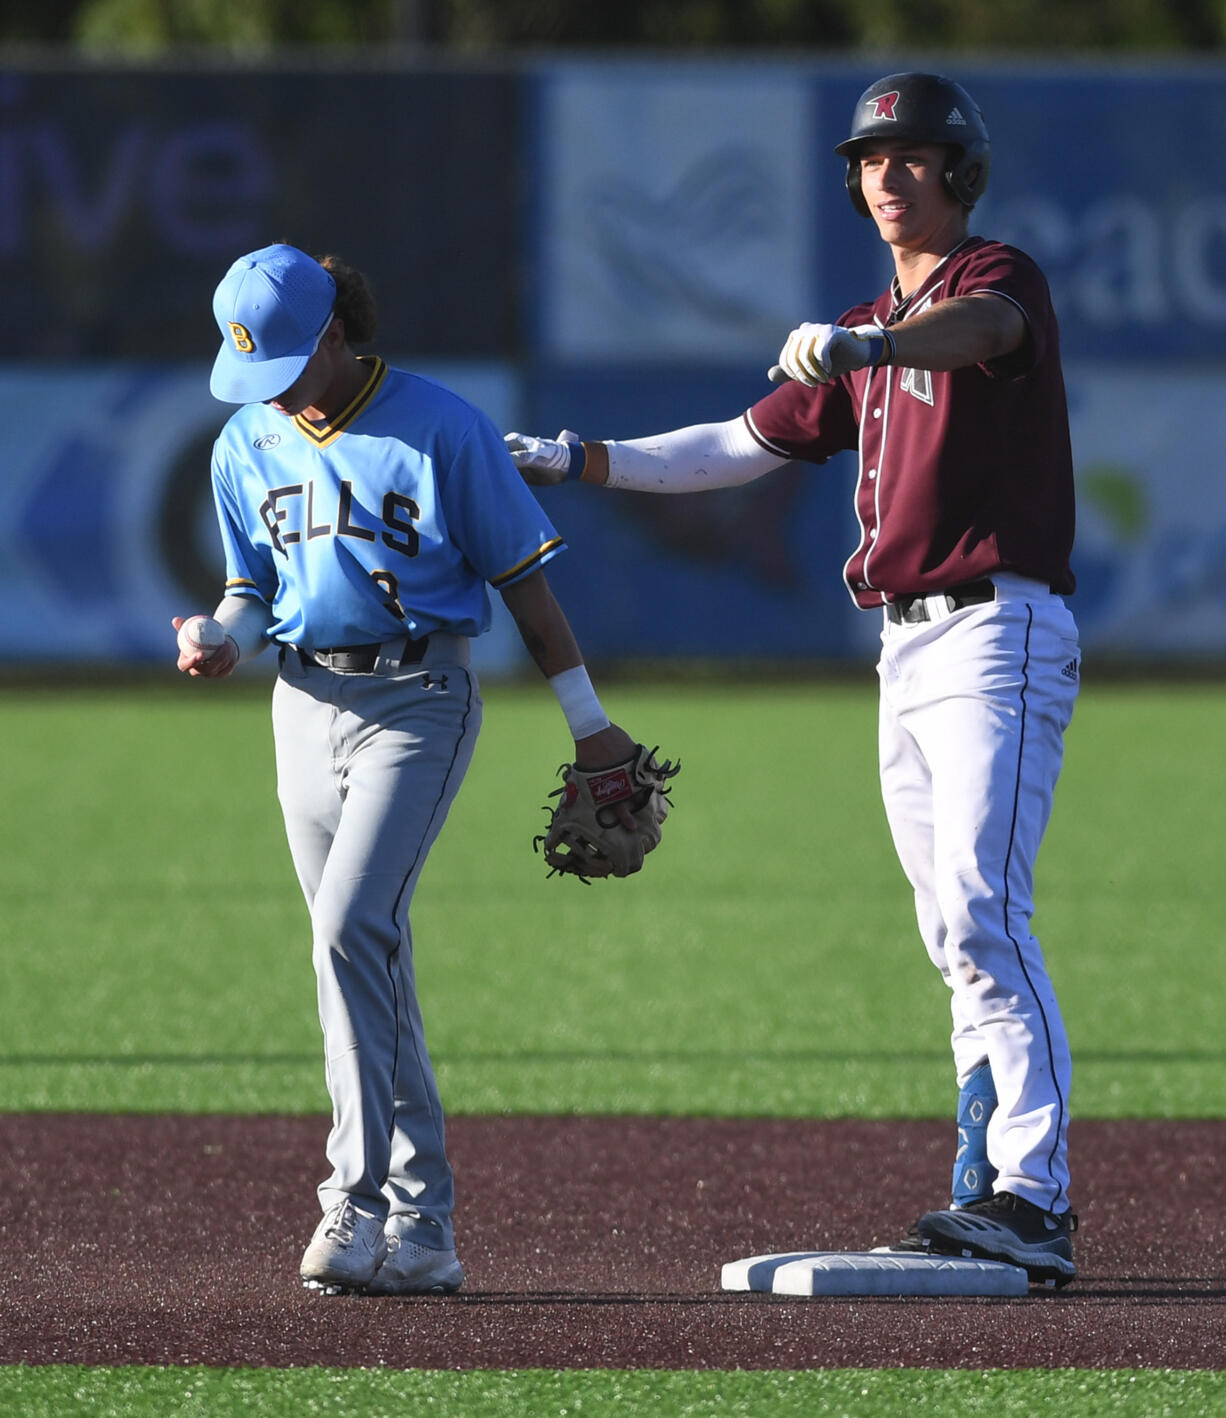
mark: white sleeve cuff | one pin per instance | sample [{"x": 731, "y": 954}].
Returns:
[{"x": 695, "y": 459}]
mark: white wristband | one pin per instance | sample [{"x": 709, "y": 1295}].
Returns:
[{"x": 584, "y": 715}]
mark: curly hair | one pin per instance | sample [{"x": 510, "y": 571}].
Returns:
[{"x": 355, "y": 301}]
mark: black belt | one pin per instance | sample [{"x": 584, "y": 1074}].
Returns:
[
  {"x": 913, "y": 609},
  {"x": 360, "y": 659}
]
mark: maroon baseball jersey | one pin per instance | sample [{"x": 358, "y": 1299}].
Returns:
[{"x": 962, "y": 473}]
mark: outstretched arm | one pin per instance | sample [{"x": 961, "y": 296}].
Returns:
[
  {"x": 953, "y": 334},
  {"x": 695, "y": 459},
  {"x": 969, "y": 329}
]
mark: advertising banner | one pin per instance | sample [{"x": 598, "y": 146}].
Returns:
[
  {"x": 126, "y": 194},
  {"x": 697, "y": 213},
  {"x": 678, "y": 211},
  {"x": 613, "y": 246}
]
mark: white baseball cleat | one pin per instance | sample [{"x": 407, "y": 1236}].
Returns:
[
  {"x": 414, "y": 1269},
  {"x": 345, "y": 1252}
]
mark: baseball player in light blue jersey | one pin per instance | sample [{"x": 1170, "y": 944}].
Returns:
[{"x": 364, "y": 511}]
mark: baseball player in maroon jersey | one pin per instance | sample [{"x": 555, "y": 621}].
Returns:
[{"x": 949, "y": 385}]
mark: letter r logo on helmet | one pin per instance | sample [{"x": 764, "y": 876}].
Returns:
[
  {"x": 883, "y": 106},
  {"x": 241, "y": 337}
]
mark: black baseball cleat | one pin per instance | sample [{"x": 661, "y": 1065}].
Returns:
[
  {"x": 910, "y": 1244},
  {"x": 1008, "y": 1228}
]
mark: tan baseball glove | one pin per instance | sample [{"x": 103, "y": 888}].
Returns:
[{"x": 587, "y": 836}]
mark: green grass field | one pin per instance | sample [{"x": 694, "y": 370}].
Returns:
[
  {"x": 765, "y": 962},
  {"x": 71, "y": 1392}
]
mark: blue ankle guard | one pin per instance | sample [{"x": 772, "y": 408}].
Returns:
[{"x": 973, "y": 1174}]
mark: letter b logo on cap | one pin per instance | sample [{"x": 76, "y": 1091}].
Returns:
[{"x": 241, "y": 337}]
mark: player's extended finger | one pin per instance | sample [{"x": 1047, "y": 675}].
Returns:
[{"x": 519, "y": 446}]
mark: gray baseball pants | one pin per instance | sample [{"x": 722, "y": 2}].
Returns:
[{"x": 368, "y": 766}]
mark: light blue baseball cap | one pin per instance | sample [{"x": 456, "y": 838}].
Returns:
[{"x": 272, "y": 308}]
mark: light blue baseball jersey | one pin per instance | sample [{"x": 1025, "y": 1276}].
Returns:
[{"x": 393, "y": 517}]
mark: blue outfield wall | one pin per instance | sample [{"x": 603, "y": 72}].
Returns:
[
  {"x": 126, "y": 193},
  {"x": 692, "y": 213},
  {"x": 614, "y": 246}
]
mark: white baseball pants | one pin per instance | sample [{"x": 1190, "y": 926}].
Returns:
[{"x": 974, "y": 706}]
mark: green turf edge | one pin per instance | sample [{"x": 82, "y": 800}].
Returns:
[
  {"x": 885, "y": 1086},
  {"x": 64, "y": 1391}
]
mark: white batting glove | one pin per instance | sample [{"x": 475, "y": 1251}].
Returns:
[
  {"x": 816, "y": 354},
  {"x": 544, "y": 462}
]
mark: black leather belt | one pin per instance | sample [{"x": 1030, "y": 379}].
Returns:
[
  {"x": 912, "y": 610},
  {"x": 360, "y": 659}
]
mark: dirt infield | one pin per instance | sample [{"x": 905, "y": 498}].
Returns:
[{"x": 588, "y": 1242}]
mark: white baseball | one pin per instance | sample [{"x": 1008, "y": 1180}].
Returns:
[{"x": 201, "y": 633}]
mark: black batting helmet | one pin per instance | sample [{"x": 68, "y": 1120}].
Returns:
[{"x": 925, "y": 108}]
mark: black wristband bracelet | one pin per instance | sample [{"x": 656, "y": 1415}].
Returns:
[{"x": 888, "y": 349}]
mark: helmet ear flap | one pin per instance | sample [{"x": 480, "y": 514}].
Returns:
[
  {"x": 955, "y": 175},
  {"x": 853, "y": 187},
  {"x": 967, "y": 176},
  {"x": 962, "y": 180}
]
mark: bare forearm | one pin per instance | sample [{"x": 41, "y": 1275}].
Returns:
[
  {"x": 960, "y": 332},
  {"x": 542, "y": 625},
  {"x": 548, "y": 638}
]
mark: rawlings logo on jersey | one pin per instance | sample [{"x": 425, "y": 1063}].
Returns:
[
  {"x": 884, "y": 105},
  {"x": 266, "y": 441},
  {"x": 241, "y": 336}
]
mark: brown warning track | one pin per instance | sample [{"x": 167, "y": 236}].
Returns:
[{"x": 588, "y": 1242}]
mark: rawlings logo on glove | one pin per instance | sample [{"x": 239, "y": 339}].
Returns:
[{"x": 607, "y": 820}]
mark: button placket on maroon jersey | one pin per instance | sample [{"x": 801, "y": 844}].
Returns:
[{"x": 873, "y": 420}]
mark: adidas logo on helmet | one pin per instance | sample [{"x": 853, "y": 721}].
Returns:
[{"x": 954, "y": 118}]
